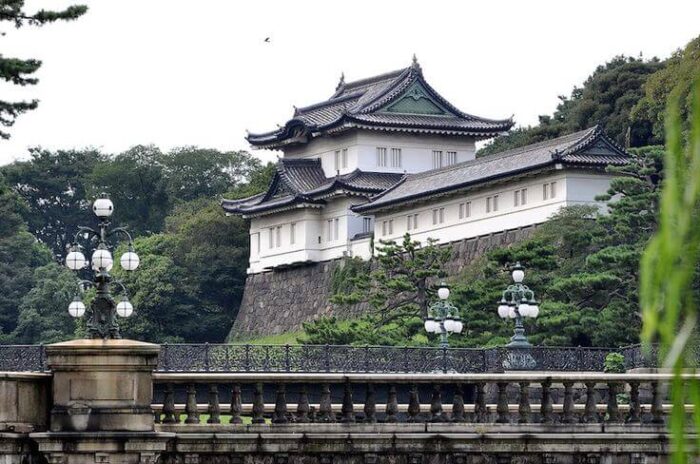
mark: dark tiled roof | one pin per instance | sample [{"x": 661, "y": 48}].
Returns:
[
  {"x": 589, "y": 147},
  {"x": 302, "y": 181},
  {"x": 358, "y": 105}
]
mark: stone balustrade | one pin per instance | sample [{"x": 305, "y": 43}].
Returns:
[{"x": 511, "y": 398}]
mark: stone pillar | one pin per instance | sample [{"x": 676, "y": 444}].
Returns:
[{"x": 101, "y": 395}]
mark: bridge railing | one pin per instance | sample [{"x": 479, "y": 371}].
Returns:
[
  {"x": 386, "y": 359},
  {"x": 593, "y": 399},
  {"x": 207, "y": 357}
]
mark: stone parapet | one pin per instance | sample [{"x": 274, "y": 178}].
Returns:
[{"x": 102, "y": 385}]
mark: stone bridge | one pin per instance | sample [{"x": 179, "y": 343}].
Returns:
[{"x": 102, "y": 402}]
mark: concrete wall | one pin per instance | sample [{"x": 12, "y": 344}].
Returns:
[{"x": 280, "y": 301}]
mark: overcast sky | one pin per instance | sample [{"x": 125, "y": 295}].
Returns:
[{"x": 173, "y": 72}]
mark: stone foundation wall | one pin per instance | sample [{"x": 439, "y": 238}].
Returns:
[{"x": 280, "y": 301}]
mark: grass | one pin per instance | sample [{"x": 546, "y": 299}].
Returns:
[{"x": 287, "y": 338}]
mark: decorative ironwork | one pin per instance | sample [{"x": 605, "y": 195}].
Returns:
[{"x": 356, "y": 359}]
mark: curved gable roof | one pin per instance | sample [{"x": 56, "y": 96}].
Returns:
[{"x": 367, "y": 104}]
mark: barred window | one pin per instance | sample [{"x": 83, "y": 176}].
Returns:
[
  {"x": 292, "y": 233},
  {"x": 451, "y": 158},
  {"x": 437, "y": 159},
  {"x": 381, "y": 156},
  {"x": 396, "y": 157}
]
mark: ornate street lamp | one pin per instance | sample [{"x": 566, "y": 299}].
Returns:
[
  {"x": 103, "y": 309},
  {"x": 443, "y": 317},
  {"x": 518, "y": 302}
]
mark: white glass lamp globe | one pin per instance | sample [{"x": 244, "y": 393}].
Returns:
[
  {"x": 428, "y": 325},
  {"x": 534, "y": 310},
  {"x": 511, "y": 312},
  {"x": 458, "y": 325},
  {"x": 518, "y": 275},
  {"x": 524, "y": 309},
  {"x": 103, "y": 207},
  {"x": 503, "y": 310},
  {"x": 76, "y": 308},
  {"x": 102, "y": 259},
  {"x": 129, "y": 261},
  {"x": 125, "y": 309},
  {"x": 75, "y": 260},
  {"x": 449, "y": 324},
  {"x": 443, "y": 293}
]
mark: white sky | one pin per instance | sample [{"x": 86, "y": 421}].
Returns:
[{"x": 175, "y": 72}]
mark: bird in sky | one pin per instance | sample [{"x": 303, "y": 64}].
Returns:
[{"x": 267, "y": 39}]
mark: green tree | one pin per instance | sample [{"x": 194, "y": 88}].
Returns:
[
  {"x": 399, "y": 284},
  {"x": 606, "y": 98},
  {"x": 135, "y": 182},
  {"x": 20, "y": 254},
  {"x": 675, "y": 80},
  {"x": 194, "y": 172},
  {"x": 54, "y": 185},
  {"x": 19, "y": 71},
  {"x": 43, "y": 311}
]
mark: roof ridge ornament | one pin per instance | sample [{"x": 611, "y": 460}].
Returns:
[
  {"x": 414, "y": 64},
  {"x": 341, "y": 82}
]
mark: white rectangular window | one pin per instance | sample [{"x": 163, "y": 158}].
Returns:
[
  {"x": 329, "y": 230},
  {"x": 553, "y": 190},
  {"x": 391, "y": 226},
  {"x": 271, "y": 238},
  {"x": 465, "y": 209},
  {"x": 395, "y": 157},
  {"x": 545, "y": 191},
  {"x": 438, "y": 216},
  {"x": 336, "y": 229},
  {"x": 278, "y": 234},
  {"x": 516, "y": 198},
  {"x": 415, "y": 221},
  {"x": 255, "y": 242},
  {"x": 344, "y": 158},
  {"x": 492, "y": 203},
  {"x": 523, "y": 196},
  {"x": 292, "y": 233},
  {"x": 381, "y": 156},
  {"x": 437, "y": 159},
  {"x": 383, "y": 227},
  {"x": 451, "y": 158},
  {"x": 412, "y": 222},
  {"x": 366, "y": 225},
  {"x": 461, "y": 210},
  {"x": 336, "y": 160}
]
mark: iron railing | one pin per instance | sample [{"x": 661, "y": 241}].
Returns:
[{"x": 208, "y": 357}]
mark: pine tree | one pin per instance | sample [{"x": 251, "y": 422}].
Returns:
[{"x": 19, "y": 71}]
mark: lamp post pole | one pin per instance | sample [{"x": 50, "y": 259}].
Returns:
[
  {"x": 104, "y": 310},
  {"x": 443, "y": 317}
]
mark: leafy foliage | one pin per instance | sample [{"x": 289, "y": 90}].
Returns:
[
  {"x": 607, "y": 98},
  {"x": 670, "y": 266},
  {"x": 614, "y": 363},
  {"x": 19, "y": 71},
  {"x": 675, "y": 81},
  {"x": 54, "y": 187},
  {"x": 194, "y": 259}
]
